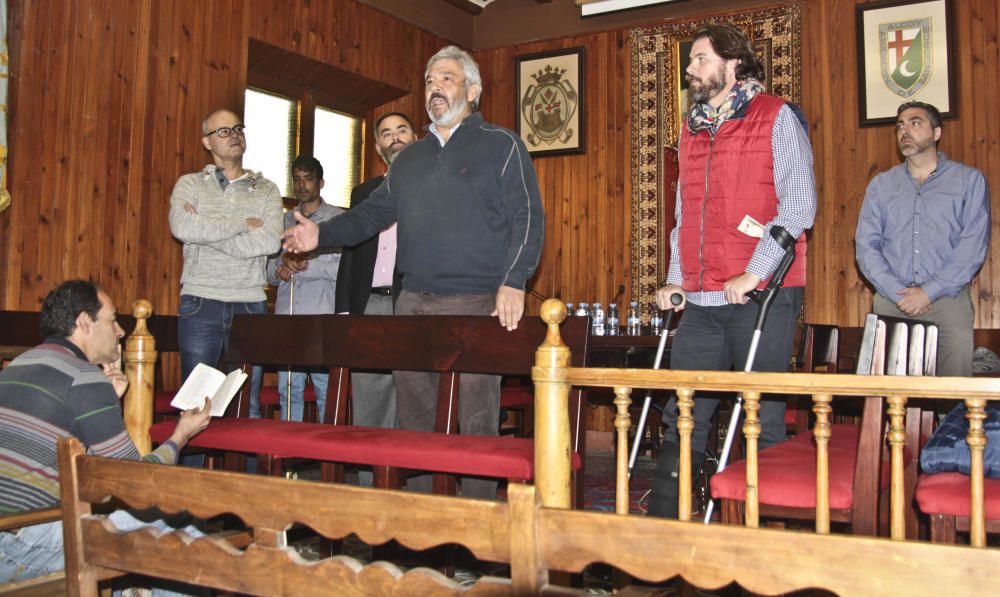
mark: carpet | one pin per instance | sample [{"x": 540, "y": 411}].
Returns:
[{"x": 659, "y": 55}]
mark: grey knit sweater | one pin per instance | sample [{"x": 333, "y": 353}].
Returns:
[{"x": 223, "y": 260}]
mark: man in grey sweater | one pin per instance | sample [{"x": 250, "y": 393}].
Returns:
[{"x": 229, "y": 220}]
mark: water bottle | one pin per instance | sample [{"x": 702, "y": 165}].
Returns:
[
  {"x": 612, "y": 326},
  {"x": 581, "y": 311},
  {"x": 597, "y": 320},
  {"x": 655, "y": 320},
  {"x": 633, "y": 321}
]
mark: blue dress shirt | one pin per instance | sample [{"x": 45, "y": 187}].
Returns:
[{"x": 932, "y": 235}]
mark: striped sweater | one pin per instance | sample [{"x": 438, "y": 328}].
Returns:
[{"x": 50, "y": 392}]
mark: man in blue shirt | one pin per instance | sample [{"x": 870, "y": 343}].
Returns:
[{"x": 922, "y": 235}]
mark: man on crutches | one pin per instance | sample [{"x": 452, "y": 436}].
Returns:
[{"x": 745, "y": 167}]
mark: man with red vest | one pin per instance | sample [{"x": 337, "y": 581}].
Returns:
[{"x": 745, "y": 166}]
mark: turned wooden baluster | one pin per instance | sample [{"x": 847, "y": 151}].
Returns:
[
  {"x": 976, "y": 414},
  {"x": 685, "y": 425},
  {"x": 140, "y": 369},
  {"x": 822, "y": 432},
  {"x": 751, "y": 431},
  {"x": 897, "y": 440},
  {"x": 552, "y": 436},
  {"x": 623, "y": 420}
]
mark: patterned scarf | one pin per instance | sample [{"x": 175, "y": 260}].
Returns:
[{"x": 702, "y": 116}]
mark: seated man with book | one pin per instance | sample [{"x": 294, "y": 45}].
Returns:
[{"x": 69, "y": 385}]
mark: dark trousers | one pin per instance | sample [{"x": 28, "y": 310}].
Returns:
[
  {"x": 479, "y": 395},
  {"x": 203, "y": 327},
  {"x": 718, "y": 339}
]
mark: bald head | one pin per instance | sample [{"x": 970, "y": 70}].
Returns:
[
  {"x": 209, "y": 124},
  {"x": 222, "y": 136}
]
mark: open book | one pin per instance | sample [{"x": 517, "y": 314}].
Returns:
[{"x": 208, "y": 381}]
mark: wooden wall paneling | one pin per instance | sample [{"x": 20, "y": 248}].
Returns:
[{"x": 107, "y": 98}]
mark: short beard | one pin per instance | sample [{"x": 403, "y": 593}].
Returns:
[
  {"x": 716, "y": 82},
  {"x": 390, "y": 154},
  {"x": 449, "y": 115}
]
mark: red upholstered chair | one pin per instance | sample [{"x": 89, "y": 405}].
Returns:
[
  {"x": 787, "y": 471},
  {"x": 944, "y": 497},
  {"x": 818, "y": 352}
]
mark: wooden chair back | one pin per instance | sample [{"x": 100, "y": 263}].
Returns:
[{"x": 450, "y": 345}]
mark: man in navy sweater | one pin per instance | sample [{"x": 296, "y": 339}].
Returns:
[{"x": 470, "y": 231}]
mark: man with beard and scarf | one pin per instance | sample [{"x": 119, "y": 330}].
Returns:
[
  {"x": 307, "y": 283},
  {"x": 922, "y": 235},
  {"x": 469, "y": 236},
  {"x": 368, "y": 283},
  {"x": 745, "y": 166}
]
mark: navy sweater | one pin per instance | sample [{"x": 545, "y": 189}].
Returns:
[{"x": 469, "y": 213}]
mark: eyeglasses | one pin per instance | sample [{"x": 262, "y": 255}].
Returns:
[{"x": 224, "y": 131}]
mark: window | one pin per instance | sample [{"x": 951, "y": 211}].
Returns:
[
  {"x": 272, "y": 136},
  {"x": 337, "y": 146},
  {"x": 276, "y": 134}
]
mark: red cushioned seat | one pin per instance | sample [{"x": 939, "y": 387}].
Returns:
[
  {"x": 787, "y": 472},
  {"x": 948, "y": 494},
  {"x": 489, "y": 456}
]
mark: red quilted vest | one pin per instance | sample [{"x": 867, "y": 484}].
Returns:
[{"x": 722, "y": 180}]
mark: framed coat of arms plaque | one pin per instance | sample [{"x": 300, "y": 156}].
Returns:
[
  {"x": 550, "y": 117},
  {"x": 904, "y": 54}
]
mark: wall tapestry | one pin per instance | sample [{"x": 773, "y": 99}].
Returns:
[{"x": 659, "y": 94}]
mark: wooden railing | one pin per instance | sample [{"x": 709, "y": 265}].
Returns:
[
  {"x": 534, "y": 531},
  {"x": 553, "y": 380}
]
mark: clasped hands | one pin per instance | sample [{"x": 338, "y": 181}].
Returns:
[{"x": 293, "y": 263}]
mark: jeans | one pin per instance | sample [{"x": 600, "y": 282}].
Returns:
[
  {"x": 203, "y": 334},
  {"x": 38, "y": 549},
  {"x": 320, "y": 382}
]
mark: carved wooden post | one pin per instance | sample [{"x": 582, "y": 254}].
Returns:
[
  {"x": 976, "y": 414},
  {"x": 685, "y": 425},
  {"x": 623, "y": 420},
  {"x": 140, "y": 369},
  {"x": 751, "y": 431},
  {"x": 897, "y": 485},
  {"x": 552, "y": 436},
  {"x": 822, "y": 432}
]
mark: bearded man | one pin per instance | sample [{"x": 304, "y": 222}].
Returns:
[
  {"x": 745, "y": 166},
  {"x": 922, "y": 235},
  {"x": 469, "y": 236}
]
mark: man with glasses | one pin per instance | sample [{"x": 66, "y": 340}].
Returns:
[
  {"x": 470, "y": 231},
  {"x": 229, "y": 220}
]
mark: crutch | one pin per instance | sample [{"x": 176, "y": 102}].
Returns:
[
  {"x": 288, "y": 378},
  {"x": 763, "y": 298},
  {"x": 675, "y": 299}
]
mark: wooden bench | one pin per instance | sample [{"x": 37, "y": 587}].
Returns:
[
  {"x": 532, "y": 538},
  {"x": 450, "y": 345}
]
